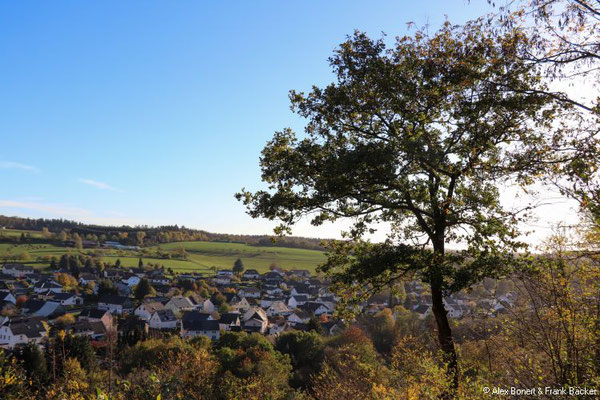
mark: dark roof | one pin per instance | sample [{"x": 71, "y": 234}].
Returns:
[
  {"x": 63, "y": 296},
  {"x": 251, "y": 272},
  {"x": 195, "y": 316},
  {"x": 422, "y": 309},
  {"x": 33, "y": 305},
  {"x": 30, "y": 327},
  {"x": 166, "y": 315},
  {"x": 201, "y": 325},
  {"x": 302, "y": 288},
  {"x": 93, "y": 313},
  {"x": 229, "y": 318},
  {"x": 311, "y": 307},
  {"x": 120, "y": 300}
]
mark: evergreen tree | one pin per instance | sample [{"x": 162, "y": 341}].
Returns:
[
  {"x": 142, "y": 289},
  {"x": 34, "y": 362},
  {"x": 238, "y": 266}
]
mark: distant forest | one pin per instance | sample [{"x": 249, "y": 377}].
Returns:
[{"x": 153, "y": 235}]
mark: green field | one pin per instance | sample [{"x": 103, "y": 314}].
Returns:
[
  {"x": 201, "y": 256},
  {"x": 223, "y": 255}
]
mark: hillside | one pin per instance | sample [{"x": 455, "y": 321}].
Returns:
[{"x": 201, "y": 255}]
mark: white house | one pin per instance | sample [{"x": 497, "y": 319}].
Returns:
[
  {"x": 241, "y": 305},
  {"x": 116, "y": 304},
  {"x": 17, "y": 270},
  {"x": 297, "y": 318},
  {"x": 249, "y": 292},
  {"x": 179, "y": 304},
  {"x": 22, "y": 331},
  {"x": 131, "y": 280},
  {"x": 278, "y": 308},
  {"x": 47, "y": 286},
  {"x": 145, "y": 310},
  {"x": 296, "y": 301},
  {"x": 251, "y": 274},
  {"x": 207, "y": 327},
  {"x": 67, "y": 299},
  {"x": 256, "y": 320},
  {"x": 163, "y": 319},
  {"x": 229, "y": 321}
]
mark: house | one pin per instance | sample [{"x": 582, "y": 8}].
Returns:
[
  {"x": 163, "y": 319},
  {"x": 296, "y": 301},
  {"x": 249, "y": 292},
  {"x": 85, "y": 278},
  {"x": 195, "y": 316},
  {"x": 41, "y": 308},
  {"x": 315, "y": 308},
  {"x": 22, "y": 331},
  {"x": 17, "y": 270},
  {"x": 300, "y": 289},
  {"x": 229, "y": 321},
  {"x": 159, "y": 279},
  {"x": 273, "y": 290},
  {"x": 145, "y": 310},
  {"x": 274, "y": 276},
  {"x": 97, "y": 315},
  {"x": 131, "y": 280},
  {"x": 332, "y": 328},
  {"x": 300, "y": 273},
  {"x": 298, "y": 317},
  {"x": 225, "y": 273},
  {"x": 278, "y": 308},
  {"x": 251, "y": 274},
  {"x": 95, "y": 330},
  {"x": 279, "y": 326},
  {"x": 423, "y": 310},
  {"x": 199, "y": 303},
  {"x": 179, "y": 304},
  {"x": 242, "y": 305},
  {"x": 207, "y": 327},
  {"x": 221, "y": 280},
  {"x": 67, "y": 299},
  {"x": 116, "y": 304},
  {"x": 7, "y": 296},
  {"x": 256, "y": 320},
  {"x": 45, "y": 286}
]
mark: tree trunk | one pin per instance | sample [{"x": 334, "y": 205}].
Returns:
[
  {"x": 444, "y": 334},
  {"x": 441, "y": 318}
]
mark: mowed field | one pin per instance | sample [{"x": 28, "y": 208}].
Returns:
[
  {"x": 223, "y": 255},
  {"x": 201, "y": 256}
]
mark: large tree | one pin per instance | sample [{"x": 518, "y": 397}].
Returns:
[{"x": 420, "y": 136}]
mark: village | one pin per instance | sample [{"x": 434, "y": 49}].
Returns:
[{"x": 190, "y": 304}]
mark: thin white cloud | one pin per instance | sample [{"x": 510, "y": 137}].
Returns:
[
  {"x": 98, "y": 184},
  {"x": 16, "y": 165},
  {"x": 53, "y": 209}
]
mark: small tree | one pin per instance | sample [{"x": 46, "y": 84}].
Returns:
[
  {"x": 238, "y": 266},
  {"x": 142, "y": 289},
  {"x": 78, "y": 241}
]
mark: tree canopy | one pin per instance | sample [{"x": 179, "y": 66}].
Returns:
[{"x": 420, "y": 135}]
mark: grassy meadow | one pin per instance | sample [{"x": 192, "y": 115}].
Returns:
[{"x": 201, "y": 256}]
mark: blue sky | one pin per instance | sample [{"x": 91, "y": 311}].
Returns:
[{"x": 148, "y": 112}]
